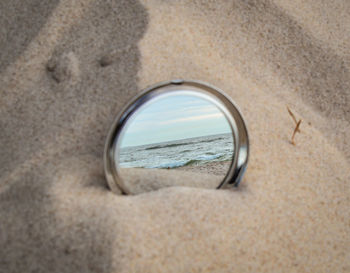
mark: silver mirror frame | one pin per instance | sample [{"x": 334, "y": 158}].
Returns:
[{"x": 204, "y": 90}]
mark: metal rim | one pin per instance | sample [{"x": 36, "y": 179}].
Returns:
[{"x": 215, "y": 95}]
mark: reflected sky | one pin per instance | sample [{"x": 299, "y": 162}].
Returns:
[{"x": 172, "y": 118}]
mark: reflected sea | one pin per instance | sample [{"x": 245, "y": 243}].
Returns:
[{"x": 178, "y": 153}]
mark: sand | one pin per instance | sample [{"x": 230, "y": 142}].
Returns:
[
  {"x": 68, "y": 67},
  {"x": 140, "y": 180},
  {"x": 204, "y": 176},
  {"x": 218, "y": 168}
]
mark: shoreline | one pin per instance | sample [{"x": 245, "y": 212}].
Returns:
[
  {"x": 140, "y": 180},
  {"x": 218, "y": 168}
]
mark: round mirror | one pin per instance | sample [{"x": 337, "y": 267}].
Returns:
[{"x": 176, "y": 134}]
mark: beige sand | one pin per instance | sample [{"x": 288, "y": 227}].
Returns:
[
  {"x": 139, "y": 180},
  {"x": 67, "y": 68}
]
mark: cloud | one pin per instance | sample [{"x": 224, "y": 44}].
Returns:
[{"x": 194, "y": 118}]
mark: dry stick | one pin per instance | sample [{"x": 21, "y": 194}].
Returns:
[
  {"x": 293, "y": 117},
  {"x": 295, "y": 131}
]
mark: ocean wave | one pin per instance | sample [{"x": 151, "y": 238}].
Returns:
[
  {"x": 209, "y": 157},
  {"x": 174, "y": 165},
  {"x": 170, "y": 145},
  {"x": 185, "y": 151},
  {"x": 199, "y": 160},
  {"x": 167, "y": 146},
  {"x": 210, "y": 140}
]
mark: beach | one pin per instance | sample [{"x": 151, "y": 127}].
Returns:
[
  {"x": 206, "y": 176},
  {"x": 218, "y": 168},
  {"x": 67, "y": 69},
  {"x": 140, "y": 180}
]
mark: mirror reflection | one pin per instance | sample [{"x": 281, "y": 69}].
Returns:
[{"x": 175, "y": 140}]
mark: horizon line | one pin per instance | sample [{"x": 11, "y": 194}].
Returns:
[{"x": 172, "y": 140}]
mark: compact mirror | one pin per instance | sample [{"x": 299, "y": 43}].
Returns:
[{"x": 178, "y": 133}]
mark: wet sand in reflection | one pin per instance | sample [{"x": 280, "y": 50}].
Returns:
[{"x": 139, "y": 180}]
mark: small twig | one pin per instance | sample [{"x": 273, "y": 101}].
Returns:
[
  {"x": 295, "y": 131},
  {"x": 293, "y": 117}
]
